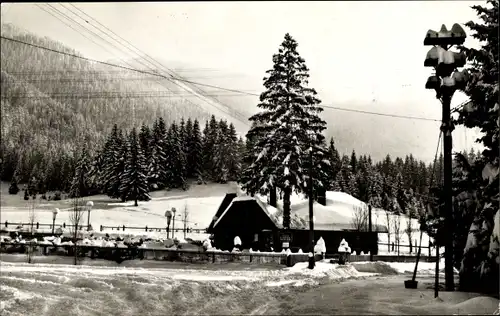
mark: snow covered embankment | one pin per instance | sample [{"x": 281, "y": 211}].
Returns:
[{"x": 424, "y": 268}]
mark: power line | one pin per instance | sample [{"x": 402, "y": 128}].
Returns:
[
  {"x": 380, "y": 114},
  {"x": 244, "y": 120},
  {"x": 212, "y": 86},
  {"x": 155, "y": 73}
]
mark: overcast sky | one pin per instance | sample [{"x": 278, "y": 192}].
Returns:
[{"x": 365, "y": 55}]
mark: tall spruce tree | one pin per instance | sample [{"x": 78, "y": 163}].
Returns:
[
  {"x": 188, "y": 147},
  {"x": 221, "y": 153},
  {"x": 183, "y": 142},
  {"x": 210, "y": 134},
  {"x": 177, "y": 159},
  {"x": 145, "y": 141},
  {"x": 196, "y": 154},
  {"x": 80, "y": 185},
  {"x": 134, "y": 180},
  {"x": 480, "y": 264},
  {"x": 334, "y": 157},
  {"x": 290, "y": 125},
  {"x": 234, "y": 151},
  {"x": 114, "y": 163},
  {"x": 157, "y": 173}
]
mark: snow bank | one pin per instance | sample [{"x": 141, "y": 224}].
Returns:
[
  {"x": 326, "y": 269},
  {"x": 401, "y": 267}
]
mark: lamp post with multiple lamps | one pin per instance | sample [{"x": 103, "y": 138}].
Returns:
[{"x": 446, "y": 80}]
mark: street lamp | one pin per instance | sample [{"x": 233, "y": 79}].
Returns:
[
  {"x": 89, "y": 207},
  {"x": 445, "y": 82},
  {"x": 168, "y": 215},
  {"x": 173, "y": 222},
  {"x": 54, "y": 215}
]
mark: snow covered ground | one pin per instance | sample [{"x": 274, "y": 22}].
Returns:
[
  {"x": 58, "y": 289},
  {"x": 200, "y": 201}
]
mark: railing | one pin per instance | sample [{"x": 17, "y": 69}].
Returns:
[
  {"x": 198, "y": 256},
  {"x": 395, "y": 246},
  {"x": 154, "y": 229},
  {"x": 37, "y": 225}
]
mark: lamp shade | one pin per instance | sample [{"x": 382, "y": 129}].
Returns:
[
  {"x": 455, "y": 36},
  {"x": 433, "y": 82},
  {"x": 461, "y": 78}
]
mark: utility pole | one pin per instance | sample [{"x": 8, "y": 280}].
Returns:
[
  {"x": 311, "y": 214},
  {"x": 445, "y": 82},
  {"x": 370, "y": 229}
]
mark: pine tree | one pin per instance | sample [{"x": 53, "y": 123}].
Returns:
[
  {"x": 95, "y": 173},
  {"x": 210, "y": 134},
  {"x": 480, "y": 264},
  {"x": 177, "y": 159},
  {"x": 220, "y": 161},
  {"x": 145, "y": 141},
  {"x": 13, "y": 188},
  {"x": 353, "y": 162},
  {"x": 114, "y": 162},
  {"x": 196, "y": 154},
  {"x": 157, "y": 173},
  {"x": 183, "y": 142},
  {"x": 80, "y": 185},
  {"x": 334, "y": 157},
  {"x": 188, "y": 147},
  {"x": 289, "y": 125},
  {"x": 134, "y": 181},
  {"x": 234, "y": 150}
]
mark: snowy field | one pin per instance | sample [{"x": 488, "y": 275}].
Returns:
[
  {"x": 201, "y": 203},
  {"x": 58, "y": 289},
  {"x": 67, "y": 290}
]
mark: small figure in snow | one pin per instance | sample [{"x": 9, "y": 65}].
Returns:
[
  {"x": 344, "y": 251},
  {"x": 320, "y": 247},
  {"x": 237, "y": 243}
]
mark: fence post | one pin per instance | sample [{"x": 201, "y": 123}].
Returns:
[
  {"x": 64, "y": 224},
  {"x": 146, "y": 228},
  {"x": 123, "y": 227},
  {"x": 429, "y": 247},
  {"x": 37, "y": 225},
  {"x": 101, "y": 228},
  {"x": 6, "y": 223}
]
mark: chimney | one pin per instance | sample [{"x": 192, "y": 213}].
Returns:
[
  {"x": 321, "y": 196},
  {"x": 273, "y": 197}
]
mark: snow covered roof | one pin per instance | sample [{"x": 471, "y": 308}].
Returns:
[
  {"x": 268, "y": 210},
  {"x": 337, "y": 214}
]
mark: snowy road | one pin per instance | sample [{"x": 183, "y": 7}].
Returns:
[{"x": 58, "y": 289}]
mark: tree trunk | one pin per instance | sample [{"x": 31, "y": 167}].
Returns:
[
  {"x": 286, "y": 208},
  {"x": 273, "y": 197},
  {"x": 136, "y": 204}
]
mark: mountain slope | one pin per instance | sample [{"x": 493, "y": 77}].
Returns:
[{"x": 53, "y": 102}]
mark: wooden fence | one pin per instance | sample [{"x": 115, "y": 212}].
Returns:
[
  {"x": 394, "y": 247},
  {"x": 155, "y": 229},
  {"x": 38, "y": 225},
  {"x": 199, "y": 256}
]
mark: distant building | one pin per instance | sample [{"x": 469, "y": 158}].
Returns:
[{"x": 259, "y": 225}]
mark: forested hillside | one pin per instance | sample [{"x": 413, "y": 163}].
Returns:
[{"x": 51, "y": 102}]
